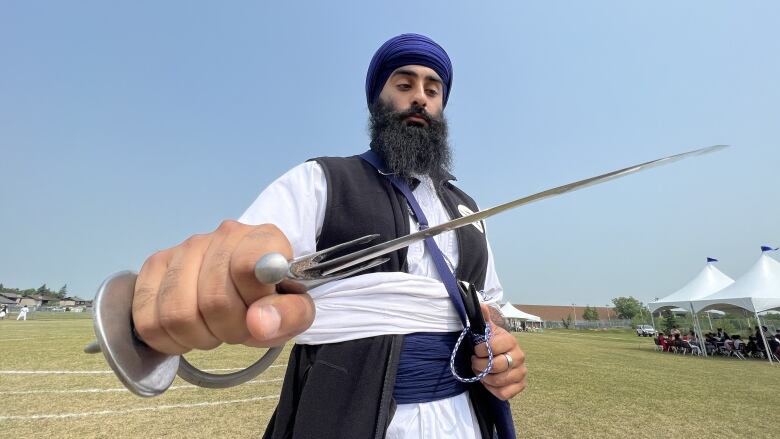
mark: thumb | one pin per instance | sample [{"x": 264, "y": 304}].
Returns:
[
  {"x": 275, "y": 319},
  {"x": 492, "y": 317}
]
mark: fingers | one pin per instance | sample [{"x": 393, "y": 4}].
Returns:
[
  {"x": 506, "y": 392},
  {"x": 500, "y": 341},
  {"x": 177, "y": 306},
  {"x": 196, "y": 295},
  {"x": 506, "y": 383},
  {"x": 145, "y": 313},
  {"x": 219, "y": 301},
  {"x": 500, "y": 362},
  {"x": 274, "y": 319},
  {"x": 503, "y": 381}
]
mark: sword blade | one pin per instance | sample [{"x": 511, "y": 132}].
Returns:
[{"x": 330, "y": 266}]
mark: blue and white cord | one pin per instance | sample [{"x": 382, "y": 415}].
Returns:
[{"x": 478, "y": 338}]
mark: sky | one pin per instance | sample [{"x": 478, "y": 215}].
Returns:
[{"x": 127, "y": 127}]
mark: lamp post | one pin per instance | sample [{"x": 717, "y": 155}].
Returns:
[{"x": 609, "y": 320}]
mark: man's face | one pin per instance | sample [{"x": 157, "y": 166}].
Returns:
[
  {"x": 407, "y": 125},
  {"x": 414, "y": 86}
]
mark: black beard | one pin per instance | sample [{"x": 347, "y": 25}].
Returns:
[{"x": 410, "y": 148}]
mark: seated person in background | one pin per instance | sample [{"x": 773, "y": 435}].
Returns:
[
  {"x": 663, "y": 342},
  {"x": 728, "y": 344},
  {"x": 675, "y": 331},
  {"x": 692, "y": 338},
  {"x": 721, "y": 335},
  {"x": 677, "y": 341},
  {"x": 751, "y": 347},
  {"x": 710, "y": 343},
  {"x": 739, "y": 345},
  {"x": 687, "y": 344},
  {"x": 774, "y": 344}
]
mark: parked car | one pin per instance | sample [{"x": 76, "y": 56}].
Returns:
[{"x": 645, "y": 331}]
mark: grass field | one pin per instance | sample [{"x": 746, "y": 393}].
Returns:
[{"x": 581, "y": 384}]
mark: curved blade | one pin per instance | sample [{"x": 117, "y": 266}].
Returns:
[{"x": 357, "y": 257}]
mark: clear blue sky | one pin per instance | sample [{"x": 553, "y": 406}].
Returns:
[{"x": 125, "y": 128}]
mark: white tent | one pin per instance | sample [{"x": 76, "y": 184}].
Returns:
[
  {"x": 757, "y": 290},
  {"x": 708, "y": 281},
  {"x": 510, "y": 312}
]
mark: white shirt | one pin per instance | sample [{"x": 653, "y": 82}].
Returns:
[{"x": 377, "y": 303}]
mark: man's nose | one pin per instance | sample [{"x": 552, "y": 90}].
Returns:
[{"x": 419, "y": 98}]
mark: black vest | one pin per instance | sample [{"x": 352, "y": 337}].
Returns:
[{"x": 344, "y": 390}]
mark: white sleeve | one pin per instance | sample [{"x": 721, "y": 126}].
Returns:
[
  {"x": 295, "y": 203},
  {"x": 493, "y": 293}
]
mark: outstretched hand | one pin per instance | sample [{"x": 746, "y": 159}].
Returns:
[{"x": 203, "y": 292}]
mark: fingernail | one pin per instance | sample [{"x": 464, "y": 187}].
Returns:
[{"x": 270, "y": 320}]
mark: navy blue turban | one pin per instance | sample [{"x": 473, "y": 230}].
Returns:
[{"x": 407, "y": 49}]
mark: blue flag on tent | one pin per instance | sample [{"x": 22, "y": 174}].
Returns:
[
  {"x": 765, "y": 248},
  {"x": 712, "y": 260}
]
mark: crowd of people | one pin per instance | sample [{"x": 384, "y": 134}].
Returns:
[{"x": 721, "y": 343}]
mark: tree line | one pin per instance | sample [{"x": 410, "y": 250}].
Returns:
[{"x": 42, "y": 290}]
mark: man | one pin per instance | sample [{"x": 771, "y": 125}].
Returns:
[
  {"x": 23, "y": 313},
  {"x": 375, "y": 361}
]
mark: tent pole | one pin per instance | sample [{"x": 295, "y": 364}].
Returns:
[
  {"x": 696, "y": 329},
  {"x": 710, "y": 319},
  {"x": 651, "y": 317},
  {"x": 702, "y": 341},
  {"x": 763, "y": 336}
]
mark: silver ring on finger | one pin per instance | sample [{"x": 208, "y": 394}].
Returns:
[{"x": 509, "y": 361}]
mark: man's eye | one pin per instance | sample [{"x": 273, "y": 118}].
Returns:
[
  {"x": 404, "y": 86},
  {"x": 432, "y": 92}
]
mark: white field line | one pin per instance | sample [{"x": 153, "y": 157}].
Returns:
[
  {"x": 137, "y": 409},
  {"x": 97, "y": 372},
  {"x": 118, "y": 389},
  {"x": 39, "y": 338}
]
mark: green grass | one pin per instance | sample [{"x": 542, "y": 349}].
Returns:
[{"x": 581, "y": 384}]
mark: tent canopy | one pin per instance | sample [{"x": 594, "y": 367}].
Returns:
[
  {"x": 757, "y": 290},
  {"x": 510, "y": 312},
  {"x": 708, "y": 281}
]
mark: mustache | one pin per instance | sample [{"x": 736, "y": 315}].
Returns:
[{"x": 419, "y": 111}]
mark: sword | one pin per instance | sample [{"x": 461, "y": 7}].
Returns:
[
  {"x": 146, "y": 372},
  {"x": 309, "y": 271}
]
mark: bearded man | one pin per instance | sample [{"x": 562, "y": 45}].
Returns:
[{"x": 375, "y": 362}]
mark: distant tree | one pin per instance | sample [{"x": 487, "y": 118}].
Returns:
[
  {"x": 63, "y": 292},
  {"x": 567, "y": 322},
  {"x": 669, "y": 321},
  {"x": 590, "y": 314},
  {"x": 627, "y": 307},
  {"x": 43, "y": 289}
]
